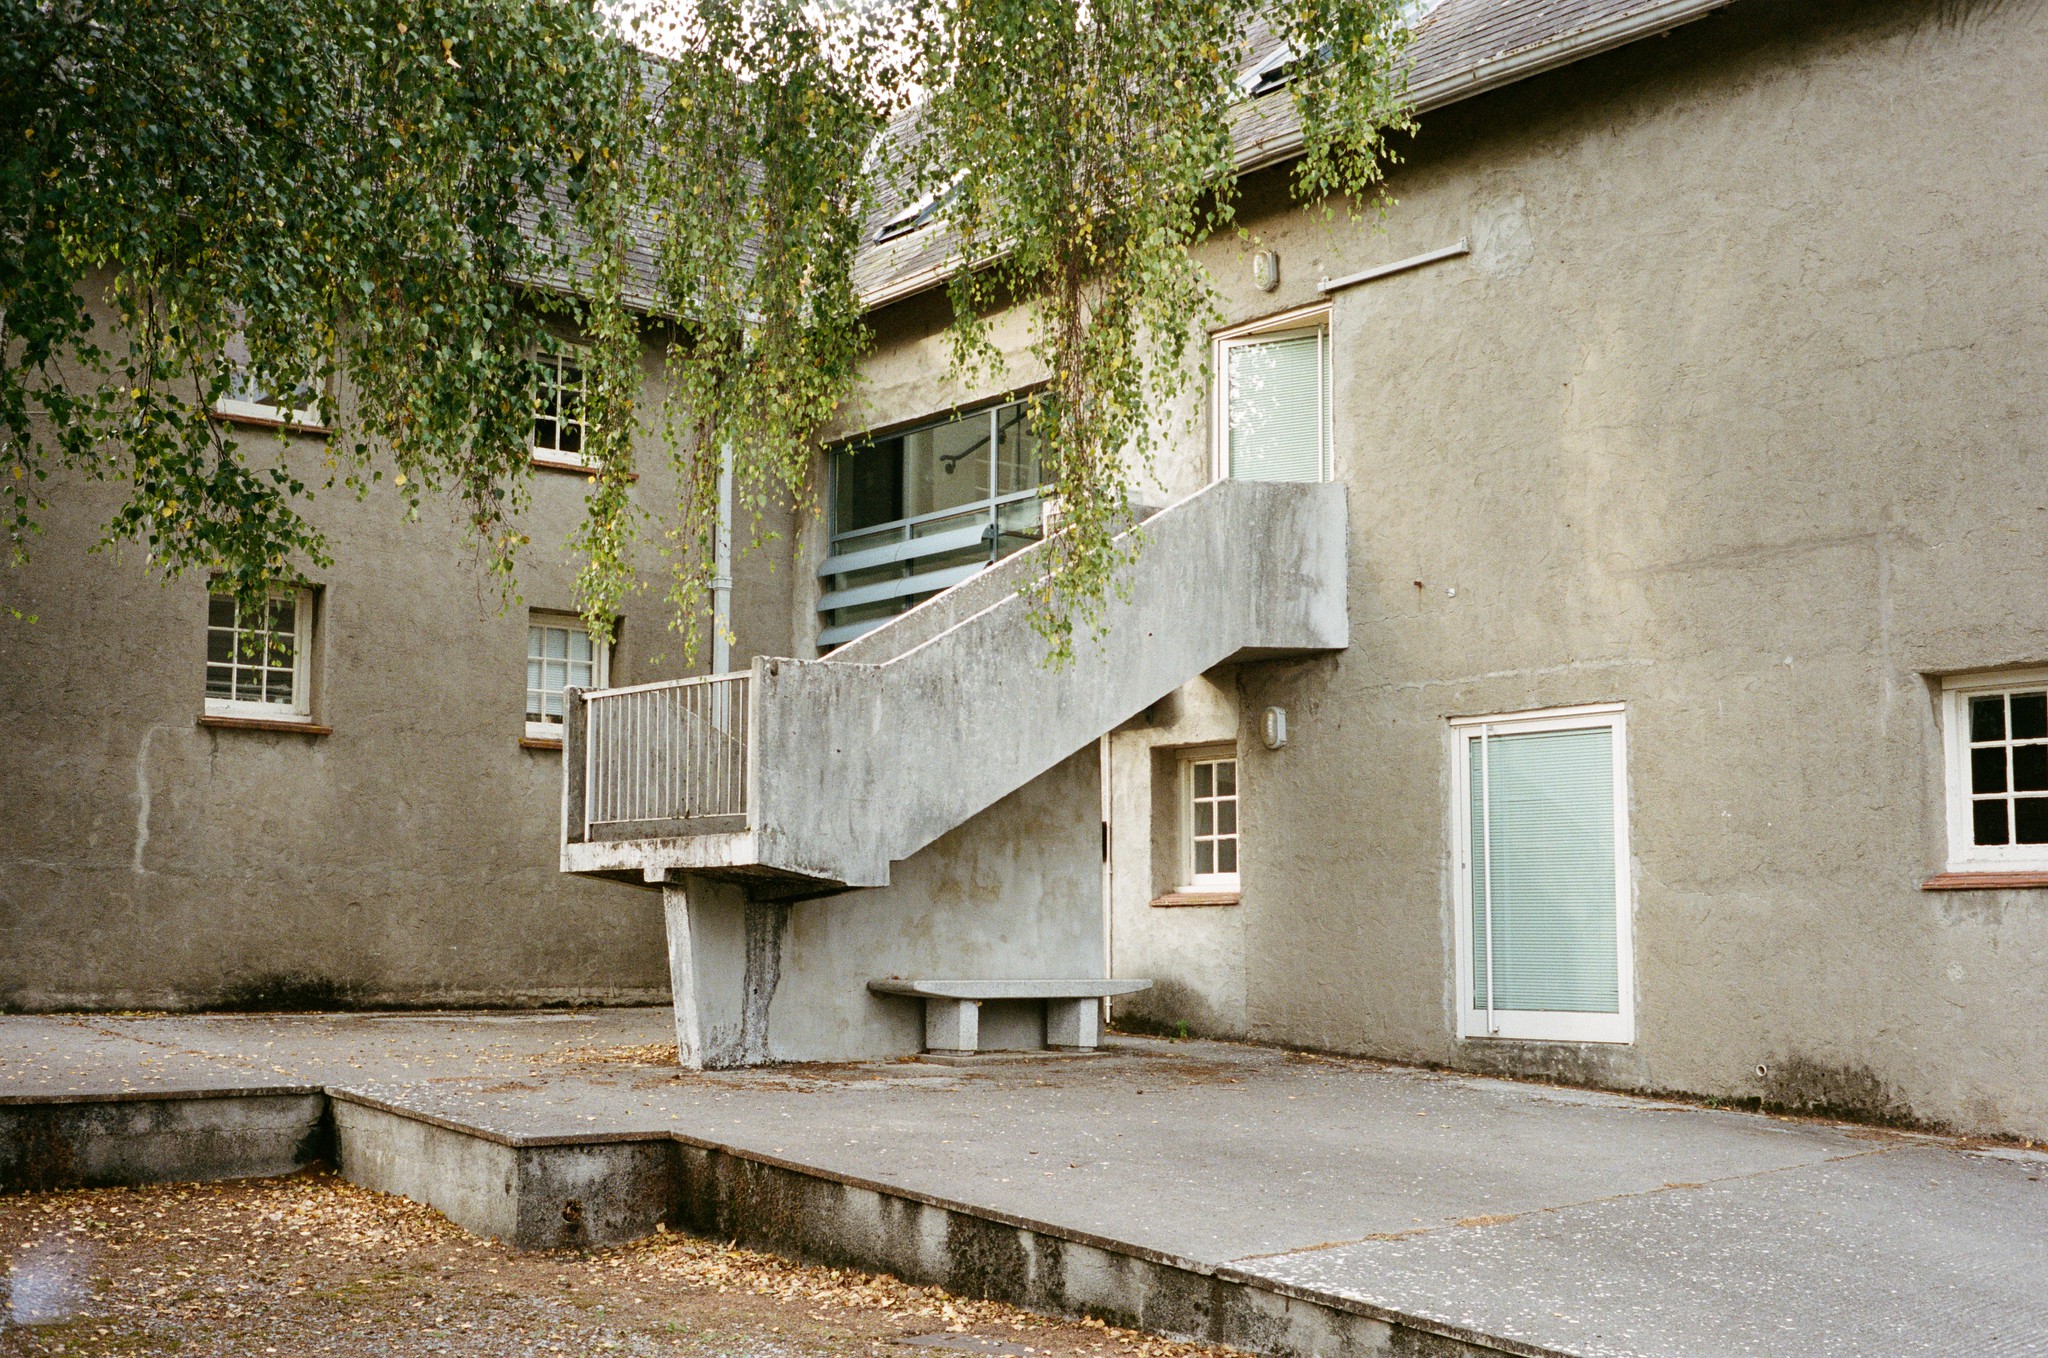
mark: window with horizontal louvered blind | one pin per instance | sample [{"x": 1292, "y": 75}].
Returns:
[
  {"x": 1543, "y": 928},
  {"x": 1273, "y": 401}
]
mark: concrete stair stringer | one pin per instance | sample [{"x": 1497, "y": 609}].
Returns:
[{"x": 861, "y": 763}]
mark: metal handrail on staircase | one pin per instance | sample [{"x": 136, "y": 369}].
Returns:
[{"x": 674, "y": 755}]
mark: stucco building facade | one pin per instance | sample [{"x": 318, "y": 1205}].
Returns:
[
  {"x": 1666, "y": 710},
  {"x": 1707, "y": 430},
  {"x": 387, "y": 837}
]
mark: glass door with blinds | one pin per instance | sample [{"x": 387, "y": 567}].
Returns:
[
  {"x": 1273, "y": 401},
  {"x": 1543, "y": 889}
]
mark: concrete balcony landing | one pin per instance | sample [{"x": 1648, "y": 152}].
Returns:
[{"x": 1279, "y": 1202}]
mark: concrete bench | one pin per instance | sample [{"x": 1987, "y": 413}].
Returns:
[{"x": 952, "y": 1009}]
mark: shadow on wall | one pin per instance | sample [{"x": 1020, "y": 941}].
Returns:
[
  {"x": 1169, "y": 1009},
  {"x": 286, "y": 992}
]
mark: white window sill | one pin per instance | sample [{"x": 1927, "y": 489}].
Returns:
[
  {"x": 1548, "y": 1026},
  {"x": 292, "y": 421}
]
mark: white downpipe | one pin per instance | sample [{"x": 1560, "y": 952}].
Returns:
[
  {"x": 721, "y": 570},
  {"x": 1106, "y": 776},
  {"x": 1486, "y": 853}
]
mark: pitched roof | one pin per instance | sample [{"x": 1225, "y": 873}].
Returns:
[{"x": 1463, "y": 48}]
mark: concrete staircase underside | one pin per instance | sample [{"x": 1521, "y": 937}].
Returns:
[{"x": 865, "y": 757}]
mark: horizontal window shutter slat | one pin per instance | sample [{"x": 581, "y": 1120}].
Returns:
[{"x": 1276, "y": 410}]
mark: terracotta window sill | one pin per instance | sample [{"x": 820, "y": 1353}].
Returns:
[
  {"x": 537, "y": 743},
  {"x": 295, "y": 728},
  {"x": 556, "y": 464},
  {"x": 1984, "y": 881},
  {"x": 1172, "y": 898},
  {"x": 318, "y": 431}
]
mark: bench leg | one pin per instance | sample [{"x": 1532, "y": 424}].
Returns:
[
  {"x": 952, "y": 1025},
  {"x": 1073, "y": 1025}
]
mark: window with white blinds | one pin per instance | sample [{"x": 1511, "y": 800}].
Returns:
[
  {"x": 1274, "y": 405},
  {"x": 1543, "y": 899}
]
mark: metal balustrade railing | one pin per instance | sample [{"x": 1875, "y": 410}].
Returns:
[{"x": 672, "y": 755}]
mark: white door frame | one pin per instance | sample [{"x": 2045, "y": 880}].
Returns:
[{"x": 1541, "y": 1025}]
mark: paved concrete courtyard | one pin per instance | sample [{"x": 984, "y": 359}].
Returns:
[{"x": 1541, "y": 1219}]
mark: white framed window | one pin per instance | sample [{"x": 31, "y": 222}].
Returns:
[
  {"x": 1272, "y": 398},
  {"x": 1996, "y": 729},
  {"x": 560, "y": 655},
  {"x": 257, "y": 658},
  {"x": 248, "y": 399},
  {"x": 1209, "y": 821},
  {"x": 558, "y": 426},
  {"x": 1540, "y": 826}
]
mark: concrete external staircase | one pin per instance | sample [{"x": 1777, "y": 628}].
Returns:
[
  {"x": 804, "y": 777},
  {"x": 799, "y": 778}
]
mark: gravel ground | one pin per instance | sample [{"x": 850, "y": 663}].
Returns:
[{"x": 314, "y": 1265}]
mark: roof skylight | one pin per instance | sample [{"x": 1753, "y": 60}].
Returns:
[{"x": 918, "y": 213}]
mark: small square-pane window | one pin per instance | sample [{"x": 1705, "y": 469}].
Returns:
[
  {"x": 1998, "y": 779},
  {"x": 560, "y": 655},
  {"x": 1210, "y": 788},
  {"x": 558, "y": 408},
  {"x": 247, "y": 398},
  {"x": 254, "y": 655}
]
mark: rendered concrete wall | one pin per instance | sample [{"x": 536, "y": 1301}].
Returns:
[
  {"x": 55, "y": 1143},
  {"x": 1016, "y": 893},
  {"x": 1193, "y": 954},
  {"x": 536, "y": 1194},
  {"x": 408, "y": 858},
  {"x": 1728, "y": 419},
  {"x": 1732, "y": 415}
]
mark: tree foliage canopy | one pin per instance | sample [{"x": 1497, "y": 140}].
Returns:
[
  {"x": 1084, "y": 149},
  {"x": 399, "y": 190},
  {"x": 332, "y": 186}
]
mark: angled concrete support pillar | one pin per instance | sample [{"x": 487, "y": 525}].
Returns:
[{"x": 724, "y": 961}]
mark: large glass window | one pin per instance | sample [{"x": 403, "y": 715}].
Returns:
[
  {"x": 1543, "y": 884},
  {"x": 918, "y": 511},
  {"x": 1273, "y": 401}
]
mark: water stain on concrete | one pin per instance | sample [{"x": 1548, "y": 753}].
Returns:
[
  {"x": 1800, "y": 1084},
  {"x": 286, "y": 992}
]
